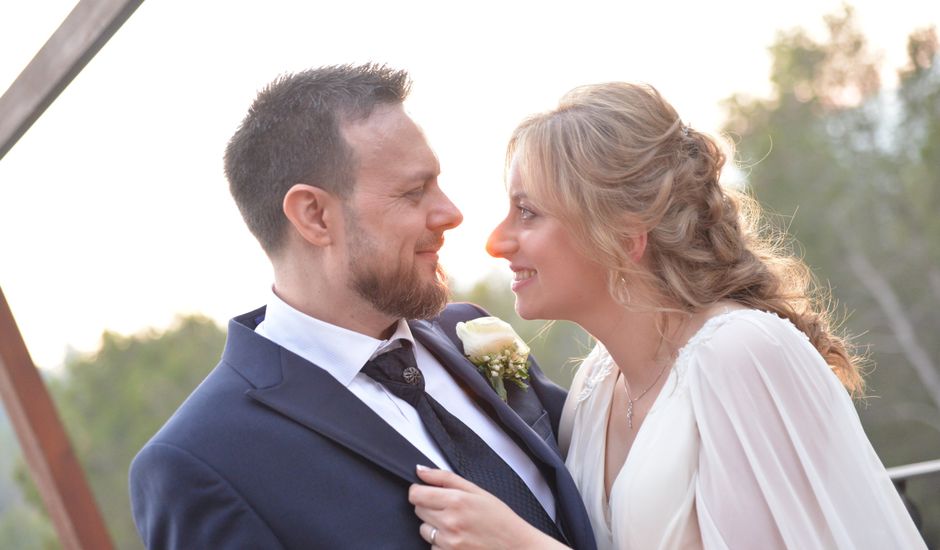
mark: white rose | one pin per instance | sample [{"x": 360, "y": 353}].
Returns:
[{"x": 489, "y": 336}]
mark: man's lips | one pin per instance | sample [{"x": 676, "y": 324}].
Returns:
[
  {"x": 431, "y": 248},
  {"x": 428, "y": 255}
]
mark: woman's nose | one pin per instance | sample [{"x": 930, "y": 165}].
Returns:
[{"x": 502, "y": 242}]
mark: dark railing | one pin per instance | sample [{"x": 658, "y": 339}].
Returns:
[{"x": 900, "y": 476}]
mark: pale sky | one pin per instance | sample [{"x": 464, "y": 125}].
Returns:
[{"x": 114, "y": 212}]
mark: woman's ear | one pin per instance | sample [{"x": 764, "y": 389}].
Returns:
[
  {"x": 636, "y": 246},
  {"x": 314, "y": 213}
]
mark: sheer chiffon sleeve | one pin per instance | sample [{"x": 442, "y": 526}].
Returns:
[
  {"x": 596, "y": 365},
  {"x": 784, "y": 462}
]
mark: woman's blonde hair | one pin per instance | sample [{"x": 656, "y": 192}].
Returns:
[{"x": 614, "y": 160}]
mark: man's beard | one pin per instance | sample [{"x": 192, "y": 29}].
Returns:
[{"x": 393, "y": 290}]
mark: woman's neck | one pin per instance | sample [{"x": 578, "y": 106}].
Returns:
[
  {"x": 631, "y": 336},
  {"x": 640, "y": 341}
]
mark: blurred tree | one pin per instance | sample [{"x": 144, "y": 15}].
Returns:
[
  {"x": 114, "y": 400},
  {"x": 26, "y": 528},
  {"x": 22, "y": 526},
  {"x": 852, "y": 170}
]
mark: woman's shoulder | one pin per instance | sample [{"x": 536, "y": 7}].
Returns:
[
  {"x": 743, "y": 331},
  {"x": 592, "y": 371},
  {"x": 747, "y": 348}
]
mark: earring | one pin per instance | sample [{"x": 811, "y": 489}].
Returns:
[{"x": 621, "y": 292}]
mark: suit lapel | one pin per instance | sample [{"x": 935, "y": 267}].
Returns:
[
  {"x": 570, "y": 515},
  {"x": 431, "y": 336},
  {"x": 311, "y": 396}
]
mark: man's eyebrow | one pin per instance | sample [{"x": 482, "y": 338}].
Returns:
[{"x": 424, "y": 175}]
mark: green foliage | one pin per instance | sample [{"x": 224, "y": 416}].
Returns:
[
  {"x": 113, "y": 401},
  {"x": 853, "y": 170},
  {"x": 23, "y": 524},
  {"x": 26, "y": 528}
]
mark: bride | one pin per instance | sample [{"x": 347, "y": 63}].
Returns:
[{"x": 715, "y": 409}]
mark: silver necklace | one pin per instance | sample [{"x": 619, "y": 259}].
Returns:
[{"x": 632, "y": 400}]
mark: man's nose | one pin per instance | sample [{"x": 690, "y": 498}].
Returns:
[{"x": 445, "y": 215}]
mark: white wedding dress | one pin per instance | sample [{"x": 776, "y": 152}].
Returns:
[{"x": 752, "y": 443}]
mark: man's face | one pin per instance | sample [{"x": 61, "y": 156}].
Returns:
[{"x": 396, "y": 217}]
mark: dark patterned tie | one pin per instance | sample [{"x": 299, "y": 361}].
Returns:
[{"x": 469, "y": 455}]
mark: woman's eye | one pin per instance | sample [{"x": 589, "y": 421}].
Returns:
[{"x": 525, "y": 213}]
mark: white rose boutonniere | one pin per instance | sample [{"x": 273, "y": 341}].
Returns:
[{"x": 494, "y": 347}]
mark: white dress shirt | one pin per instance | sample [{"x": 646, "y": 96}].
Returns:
[{"x": 343, "y": 353}]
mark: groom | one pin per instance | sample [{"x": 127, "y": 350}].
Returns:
[{"x": 290, "y": 442}]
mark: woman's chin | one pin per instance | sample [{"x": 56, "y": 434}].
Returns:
[
  {"x": 521, "y": 311},
  {"x": 527, "y": 312}
]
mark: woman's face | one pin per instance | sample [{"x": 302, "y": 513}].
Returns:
[{"x": 552, "y": 279}]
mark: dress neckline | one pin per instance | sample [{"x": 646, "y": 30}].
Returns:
[
  {"x": 604, "y": 363},
  {"x": 682, "y": 357}
]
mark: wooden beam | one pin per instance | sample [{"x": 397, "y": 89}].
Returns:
[
  {"x": 85, "y": 30},
  {"x": 52, "y": 462},
  {"x": 49, "y": 455}
]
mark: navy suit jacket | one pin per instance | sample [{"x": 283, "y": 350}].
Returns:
[{"x": 270, "y": 451}]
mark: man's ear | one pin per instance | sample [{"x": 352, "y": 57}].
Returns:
[{"x": 314, "y": 213}]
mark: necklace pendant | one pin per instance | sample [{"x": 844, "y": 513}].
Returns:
[{"x": 630, "y": 414}]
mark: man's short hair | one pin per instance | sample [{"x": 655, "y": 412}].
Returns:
[{"x": 293, "y": 134}]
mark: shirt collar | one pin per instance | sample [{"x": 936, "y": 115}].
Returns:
[{"x": 337, "y": 350}]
